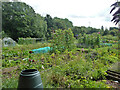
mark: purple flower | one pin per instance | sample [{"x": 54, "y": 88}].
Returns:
[
  {"x": 77, "y": 35},
  {"x": 30, "y": 60},
  {"x": 82, "y": 49}
]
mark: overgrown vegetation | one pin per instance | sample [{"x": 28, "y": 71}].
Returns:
[
  {"x": 90, "y": 40},
  {"x": 77, "y": 58},
  {"x": 27, "y": 40},
  {"x": 63, "y": 40},
  {"x": 71, "y": 68}
]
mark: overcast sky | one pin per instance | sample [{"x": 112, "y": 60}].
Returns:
[{"x": 94, "y": 13}]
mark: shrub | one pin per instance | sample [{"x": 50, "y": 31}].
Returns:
[
  {"x": 89, "y": 41},
  {"x": 26, "y": 40},
  {"x": 62, "y": 40}
]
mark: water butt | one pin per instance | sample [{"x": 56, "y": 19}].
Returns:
[{"x": 30, "y": 78}]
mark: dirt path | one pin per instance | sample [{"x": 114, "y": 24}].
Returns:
[
  {"x": 6, "y": 70},
  {"x": 114, "y": 84}
]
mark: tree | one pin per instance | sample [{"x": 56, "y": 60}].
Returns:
[
  {"x": 83, "y": 30},
  {"x": 102, "y": 28},
  {"x": 62, "y": 23},
  {"x": 49, "y": 21},
  {"x": 39, "y": 28},
  {"x": 112, "y": 28},
  {"x": 50, "y": 25},
  {"x": 116, "y": 15},
  {"x": 17, "y": 19},
  {"x": 106, "y": 32},
  {"x": 114, "y": 32}
]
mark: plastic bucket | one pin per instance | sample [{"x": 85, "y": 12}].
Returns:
[{"x": 30, "y": 78}]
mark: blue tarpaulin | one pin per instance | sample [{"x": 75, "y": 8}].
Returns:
[
  {"x": 42, "y": 50},
  {"x": 107, "y": 44}
]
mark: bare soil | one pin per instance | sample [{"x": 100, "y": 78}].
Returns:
[{"x": 113, "y": 83}]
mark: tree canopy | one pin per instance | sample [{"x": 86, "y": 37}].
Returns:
[{"x": 19, "y": 20}]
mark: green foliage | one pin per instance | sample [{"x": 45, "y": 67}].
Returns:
[
  {"x": 109, "y": 37},
  {"x": 26, "y": 40},
  {"x": 56, "y": 23},
  {"x": 20, "y": 20},
  {"x": 62, "y": 23},
  {"x": 63, "y": 40},
  {"x": 84, "y": 30},
  {"x": 89, "y": 30},
  {"x": 89, "y": 40},
  {"x": 50, "y": 25},
  {"x": 39, "y": 28},
  {"x": 17, "y": 19},
  {"x": 106, "y": 32},
  {"x": 3, "y": 34},
  {"x": 114, "y": 32},
  {"x": 10, "y": 82},
  {"x": 70, "y": 69}
]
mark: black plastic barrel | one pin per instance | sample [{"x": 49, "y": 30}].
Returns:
[{"x": 30, "y": 78}]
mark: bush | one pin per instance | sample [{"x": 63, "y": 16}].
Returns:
[
  {"x": 62, "y": 40},
  {"x": 89, "y": 41},
  {"x": 109, "y": 37},
  {"x": 26, "y": 40}
]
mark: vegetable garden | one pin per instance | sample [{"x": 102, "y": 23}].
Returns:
[{"x": 67, "y": 65}]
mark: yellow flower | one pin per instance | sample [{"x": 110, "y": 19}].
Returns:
[
  {"x": 104, "y": 80},
  {"x": 108, "y": 86}
]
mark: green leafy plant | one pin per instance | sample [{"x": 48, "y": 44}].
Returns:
[
  {"x": 89, "y": 41},
  {"x": 62, "y": 40},
  {"x": 26, "y": 40}
]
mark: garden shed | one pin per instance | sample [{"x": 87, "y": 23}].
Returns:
[{"x": 7, "y": 41}]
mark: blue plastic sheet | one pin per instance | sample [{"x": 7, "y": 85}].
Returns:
[
  {"x": 42, "y": 50},
  {"x": 107, "y": 44}
]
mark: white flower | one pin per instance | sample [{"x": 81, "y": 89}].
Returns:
[{"x": 43, "y": 67}]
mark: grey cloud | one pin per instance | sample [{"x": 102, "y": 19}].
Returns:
[
  {"x": 103, "y": 14},
  {"x": 107, "y": 18},
  {"x": 75, "y": 16}
]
